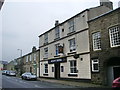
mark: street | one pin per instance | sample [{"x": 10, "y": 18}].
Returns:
[{"x": 15, "y": 82}]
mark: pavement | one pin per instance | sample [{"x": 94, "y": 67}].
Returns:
[{"x": 72, "y": 83}]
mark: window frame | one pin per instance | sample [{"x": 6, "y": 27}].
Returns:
[
  {"x": 96, "y": 39},
  {"x": 45, "y": 38},
  {"x": 112, "y": 37},
  {"x": 95, "y": 61},
  {"x": 57, "y": 33},
  {"x": 46, "y": 68},
  {"x": 57, "y": 49},
  {"x": 71, "y": 27},
  {"x": 27, "y": 59},
  {"x": 62, "y": 68},
  {"x": 46, "y": 53},
  {"x": 72, "y": 44},
  {"x": 73, "y": 68}
]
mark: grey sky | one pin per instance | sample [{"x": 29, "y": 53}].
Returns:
[{"x": 24, "y": 20}]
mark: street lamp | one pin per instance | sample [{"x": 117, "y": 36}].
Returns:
[
  {"x": 20, "y": 67},
  {"x": 20, "y": 52}
]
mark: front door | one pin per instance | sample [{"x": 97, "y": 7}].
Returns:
[
  {"x": 116, "y": 72},
  {"x": 57, "y": 70}
]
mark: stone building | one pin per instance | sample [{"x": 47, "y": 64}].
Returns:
[
  {"x": 31, "y": 62},
  {"x": 64, "y": 49},
  {"x": 105, "y": 47}
]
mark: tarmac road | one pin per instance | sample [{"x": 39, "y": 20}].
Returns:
[{"x": 15, "y": 82}]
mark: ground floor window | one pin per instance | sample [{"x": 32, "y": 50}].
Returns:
[
  {"x": 95, "y": 65},
  {"x": 73, "y": 68},
  {"x": 46, "y": 68},
  {"x": 62, "y": 68}
]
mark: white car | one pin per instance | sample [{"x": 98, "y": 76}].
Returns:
[
  {"x": 12, "y": 73},
  {"x": 29, "y": 76}
]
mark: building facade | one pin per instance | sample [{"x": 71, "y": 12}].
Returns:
[
  {"x": 64, "y": 49},
  {"x": 105, "y": 47},
  {"x": 31, "y": 62}
]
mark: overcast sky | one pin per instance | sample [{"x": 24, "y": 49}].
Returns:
[{"x": 24, "y": 20}]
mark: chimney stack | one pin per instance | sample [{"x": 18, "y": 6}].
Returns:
[
  {"x": 106, "y": 3},
  {"x": 56, "y": 22},
  {"x": 33, "y": 49}
]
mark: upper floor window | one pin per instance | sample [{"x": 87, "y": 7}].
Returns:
[
  {"x": 95, "y": 65},
  {"x": 73, "y": 68},
  {"x": 34, "y": 57},
  {"x": 72, "y": 44},
  {"x": 71, "y": 26},
  {"x": 57, "y": 33},
  {"x": 96, "y": 41},
  {"x": 26, "y": 58},
  {"x": 57, "y": 49},
  {"x": 46, "y": 38},
  {"x": 30, "y": 58},
  {"x": 114, "y": 33},
  {"x": 46, "y": 52}
]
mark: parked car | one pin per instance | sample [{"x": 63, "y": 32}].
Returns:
[
  {"x": 7, "y": 73},
  {"x": 12, "y": 73},
  {"x": 116, "y": 83},
  {"x": 29, "y": 76},
  {"x": 4, "y": 72}
]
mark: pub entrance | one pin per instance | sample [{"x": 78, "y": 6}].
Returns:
[{"x": 57, "y": 70}]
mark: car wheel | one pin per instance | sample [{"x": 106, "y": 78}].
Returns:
[{"x": 22, "y": 77}]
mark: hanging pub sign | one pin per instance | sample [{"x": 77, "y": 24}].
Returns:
[
  {"x": 60, "y": 49},
  {"x": 60, "y": 60}
]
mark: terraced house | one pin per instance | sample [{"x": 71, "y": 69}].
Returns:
[
  {"x": 31, "y": 62},
  {"x": 105, "y": 47},
  {"x": 65, "y": 48}
]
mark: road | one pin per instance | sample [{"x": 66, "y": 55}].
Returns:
[{"x": 15, "y": 82}]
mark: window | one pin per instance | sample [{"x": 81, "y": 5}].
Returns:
[
  {"x": 96, "y": 41},
  {"x": 34, "y": 57},
  {"x": 62, "y": 68},
  {"x": 95, "y": 65},
  {"x": 114, "y": 33},
  {"x": 52, "y": 69},
  {"x": 46, "y": 68},
  {"x": 57, "y": 33},
  {"x": 30, "y": 58},
  {"x": 26, "y": 58},
  {"x": 46, "y": 38},
  {"x": 57, "y": 49},
  {"x": 46, "y": 52},
  {"x": 73, "y": 68},
  {"x": 71, "y": 26},
  {"x": 72, "y": 45}
]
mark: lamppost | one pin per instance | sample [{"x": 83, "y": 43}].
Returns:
[
  {"x": 20, "y": 52},
  {"x": 20, "y": 65}
]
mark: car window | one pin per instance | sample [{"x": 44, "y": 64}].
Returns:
[{"x": 118, "y": 80}]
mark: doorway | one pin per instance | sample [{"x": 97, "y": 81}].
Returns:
[
  {"x": 57, "y": 70},
  {"x": 116, "y": 72}
]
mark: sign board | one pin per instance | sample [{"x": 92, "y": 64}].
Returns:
[{"x": 60, "y": 60}]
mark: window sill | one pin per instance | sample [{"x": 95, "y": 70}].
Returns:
[
  {"x": 45, "y": 74},
  {"x": 73, "y": 52},
  {"x": 97, "y": 49},
  {"x": 56, "y": 39},
  {"x": 57, "y": 56},
  {"x": 70, "y": 33},
  {"x": 73, "y": 74},
  {"x": 95, "y": 71}
]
